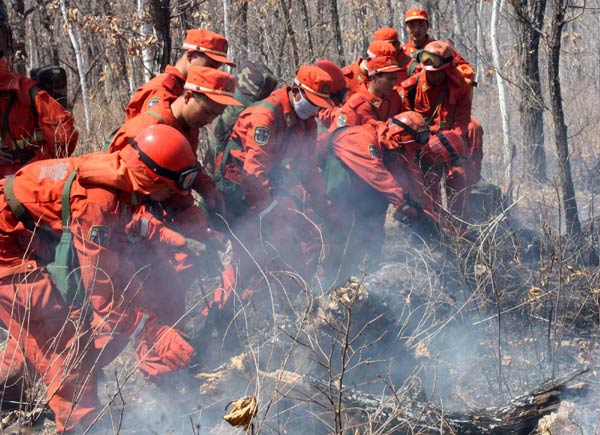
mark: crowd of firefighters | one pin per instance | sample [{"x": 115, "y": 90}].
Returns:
[{"x": 308, "y": 173}]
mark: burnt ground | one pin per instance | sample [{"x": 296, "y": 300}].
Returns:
[{"x": 463, "y": 324}]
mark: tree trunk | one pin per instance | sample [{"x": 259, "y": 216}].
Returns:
[
  {"x": 569, "y": 203},
  {"x": 458, "y": 35},
  {"x": 17, "y": 24},
  {"x": 80, "y": 65},
  {"x": 290, "y": 32},
  {"x": 307, "y": 29},
  {"x": 5, "y": 33},
  {"x": 508, "y": 148},
  {"x": 160, "y": 11},
  {"x": 529, "y": 16},
  {"x": 337, "y": 31},
  {"x": 479, "y": 74},
  {"x": 145, "y": 30}
]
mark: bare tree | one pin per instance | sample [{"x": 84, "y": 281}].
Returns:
[
  {"x": 558, "y": 116},
  {"x": 68, "y": 15},
  {"x": 337, "y": 31},
  {"x": 5, "y": 33},
  {"x": 160, "y": 12},
  {"x": 508, "y": 148},
  {"x": 17, "y": 23},
  {"x": 290, "y": 31},
  {"x": 529, "y": 17}
]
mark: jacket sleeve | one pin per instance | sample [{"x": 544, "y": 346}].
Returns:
[
  {"x": 367, "y": 164},
  {"x": 260, "y": 139},
  {"x": 56, "y": 125}
]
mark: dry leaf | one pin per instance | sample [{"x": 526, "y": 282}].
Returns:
[
  {"x": 243, "y": 412},
  {"x": 421, "y": 351}
]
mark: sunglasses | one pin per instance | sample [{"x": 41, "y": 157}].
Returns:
[
  {"x": 184, "y": 180},
  {"x": 420, "y": 136},
  {"x": 432, "y": 59}
]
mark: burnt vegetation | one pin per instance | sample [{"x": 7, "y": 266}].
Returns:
[{"x": 484, "y": 333}]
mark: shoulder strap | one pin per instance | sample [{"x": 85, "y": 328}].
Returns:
[
  {"x": 455, "y": 159},
  {"x": 64, "y": 269},
  {"x": 156, "y": 115},
  {"x": 66, "y": 201},
  {"x": 17, "y": 208}
]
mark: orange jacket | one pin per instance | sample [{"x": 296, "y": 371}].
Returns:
[
  {"x": 355, "y": 77},
  {"x": 363, "y": 107},
  {"x": 444, "y": 107},
  {"x": 360, "y": 149},
  {"x": 32, "y": 133},
  {"x": 271, "y": 140},
  {"x": 164, "y": 87}
]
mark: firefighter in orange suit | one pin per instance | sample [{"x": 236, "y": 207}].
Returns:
[
  {"x": 203, "y": 97},
  {"x": 371, "y": 166},
  {"x": 33, "y": 125},
  {"x": 55, "y": 334},
  {"x": 446, "y": 157},
  {"x": 417, "y": 26},
  {"x": 338, "y": 92},
  {"x": 390, "y": 35},
  {"x": 357, "y": 73},
  {"x": 439, "y": 91},
  {"x": 443, "y": 96},
  {"x": 206, "y": 94},
  {"x": 377, "y": 101},
  {"x": 202, "y": 48},
  {"x": 269, "y": 141}
]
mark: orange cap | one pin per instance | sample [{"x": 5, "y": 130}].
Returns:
[
  {"x": 217, "y": 85},
  {"x": 338, "y": 82},
  {"x": 210, "y": 43},
  {"x": 416, "y": 14},
  {"x": 381, "y": 48},
  {"x": 316, "y": 83},
  {"x": 386, "y": 34},
  {"x": 382, "y": 64}
]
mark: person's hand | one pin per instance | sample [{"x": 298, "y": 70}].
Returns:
[{"x": 169, "y": 344}]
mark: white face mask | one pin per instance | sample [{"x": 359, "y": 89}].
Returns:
[{"x": 305, "y": 109}]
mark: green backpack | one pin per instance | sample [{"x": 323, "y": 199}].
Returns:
[{"x": 254, "y": 82}]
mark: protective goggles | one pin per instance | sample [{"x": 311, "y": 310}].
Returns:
[
  {"x": 420, "y": 136},
  {"x": 184, "y": 180},
  {"x": 432, "y": 59}
]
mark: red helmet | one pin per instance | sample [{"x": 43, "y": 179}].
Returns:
[
  {"x": 337, "y": 76},
  {"x": 446, "y": 146},
  {"x": 167, "y": 153},
  {"x": 436, "y": 55},
  {"x": 408, "y": 127}
]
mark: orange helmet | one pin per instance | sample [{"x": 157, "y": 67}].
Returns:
[
  {"x": 337, "y": 76},
  {"x": 167, "y": 154},
  {"x": 445, "y": 146},
  {"x": 436, "y": 55},
  {"x": 409, "y": 127}
]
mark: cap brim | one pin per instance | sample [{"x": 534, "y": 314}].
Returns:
[
  {"x": 225, "y": 100},
  {"x": 219, "y": 58},
  {"x": 406, "y": 20},
  {"x": 324, "y": 103}
]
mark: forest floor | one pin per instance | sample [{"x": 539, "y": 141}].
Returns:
[{"x": 465, "y": 323}]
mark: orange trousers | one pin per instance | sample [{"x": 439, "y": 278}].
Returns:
[{"x": 56, "y": 343}]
